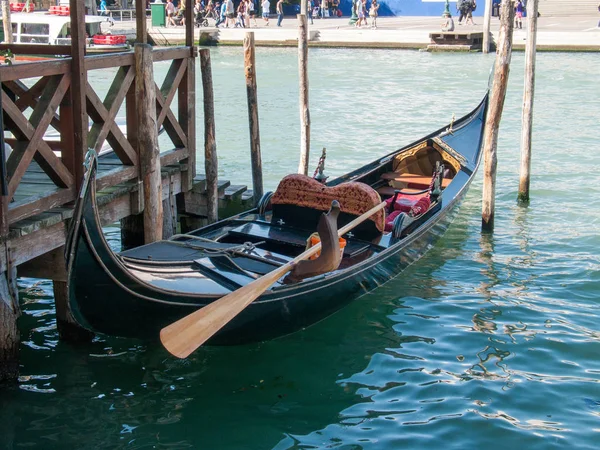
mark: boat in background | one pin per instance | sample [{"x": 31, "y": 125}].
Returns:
[
  {"x": 54, "y": 29},
  {"x": 137, "y": 292}
]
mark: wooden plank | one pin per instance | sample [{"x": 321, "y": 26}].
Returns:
[
  {"x": 36, "y": 204},
  {"x": 412, "y": 178},
  {"x": 31, "y": 246},
  {"x": 37, "y": 49},
  {"x": 35, "y": 69},
  {"x": 96, "y": 62},
  {"x": 116, "y": 176},
  {"x": 187, "y": 117},
  {"x": 168, "y": 54},
  {"x": 78, "y": 83}
]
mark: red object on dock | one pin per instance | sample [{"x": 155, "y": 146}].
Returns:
[
  {"x": 20, "y": 7},
  {"x": 109, "y": 39}
]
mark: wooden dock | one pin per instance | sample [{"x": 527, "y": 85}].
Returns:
[
  {"x": 455, "y": 41},
  {"x": 52, "y": 116}
]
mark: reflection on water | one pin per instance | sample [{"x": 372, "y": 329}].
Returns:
[{"x": 489, "y": 341}]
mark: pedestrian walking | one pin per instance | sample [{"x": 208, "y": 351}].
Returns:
[
  {"x": 230, "y": 14},
  {"x": 279, "y": 9},
  {"x": 519, "y": 14},
  {"x": 251, "y": 13},
  {"x": 470, "y": 8},
  {"x": 266, "y": 7},
  {"x": 373, "y": 13}
]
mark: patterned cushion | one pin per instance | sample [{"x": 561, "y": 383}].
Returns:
[{"x": 354, "y": 198}]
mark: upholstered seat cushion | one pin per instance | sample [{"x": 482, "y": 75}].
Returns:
[{"x": 304, "y": 192}]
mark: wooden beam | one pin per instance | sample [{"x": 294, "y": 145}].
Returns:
[
  {"x": 38, "y": 69},
  {"x": 78, "y": 87},
  {"x": 37, "y": 49},
  {"x": 492, "y": 122},
  {"x": 50, "y": 266},
  {"x": 141, "y": 28},
  {"x": 170, "y": 124},
  {"x": 148, "y": 149},
  {"x": 189, "y": 25},
  {"x": 251, "y": 93},
  {"x": 211, "y": 163},
  {"x": 170, "y": 86},
  {"x": 187, "y": 117}
]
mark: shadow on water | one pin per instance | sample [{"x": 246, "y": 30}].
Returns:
[{"x": 125, "y": 392}]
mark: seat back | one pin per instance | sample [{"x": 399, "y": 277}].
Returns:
[{"x": 299, "y": 201}]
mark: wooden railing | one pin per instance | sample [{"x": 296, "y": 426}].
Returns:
[{"x": 36, "y": 97}]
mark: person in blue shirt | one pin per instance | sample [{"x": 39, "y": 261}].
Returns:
[
  {"x": 103, "y": 8},
  {"x": 221, "y": 14}
]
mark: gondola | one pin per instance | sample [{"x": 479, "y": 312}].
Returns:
[{"x": 137, "y": 292}]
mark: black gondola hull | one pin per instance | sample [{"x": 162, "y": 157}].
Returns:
[{"x": 105, "y": 296}]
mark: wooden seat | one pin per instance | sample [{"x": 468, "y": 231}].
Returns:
[
  {"x": 388, "y": 191},
  {"x": 413, "y": 179}
]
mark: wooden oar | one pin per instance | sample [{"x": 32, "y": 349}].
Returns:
[{"x": 187, "y": 334}]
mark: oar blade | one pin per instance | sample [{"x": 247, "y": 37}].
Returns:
[{"x": 184, "y": 336}]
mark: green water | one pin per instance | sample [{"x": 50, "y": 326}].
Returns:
[{"x": 487, "y": 342}]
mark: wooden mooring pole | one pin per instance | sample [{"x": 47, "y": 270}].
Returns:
[
  {"x": 148, "y": 150},
  {"x": 528, "y": 94},
  {"x": 6, "y": 22},
  {"x": 211, "y": 163},
  {"x": 303, "y": 77},
  {"x": 487, "y": 17},
  {"x": 496, "y": 102},
  {"x": 255, "y": 156},
  {"x": 9, "y": 300}
]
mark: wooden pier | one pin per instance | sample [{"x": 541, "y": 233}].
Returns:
[
  {"x": 41, "y": 178},
  {"x": 456, "y": 41}
]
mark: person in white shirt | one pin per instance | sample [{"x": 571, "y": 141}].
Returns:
[{"x": 266, "y": 6}]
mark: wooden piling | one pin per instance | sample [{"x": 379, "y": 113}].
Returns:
[
  {"x": 9, "y": 306},
  {"x": 6, "y": 22},
  {"x": 487, "y": 17},
  {"x": 141, "y": 30},
  {"x": 78, "y": 92},
  {"x": 9, "y": 335},
  {"x": 528, "y": 94},
  {"x": 250, "y": 71},
  {"x": 211, "y": 164},
  {"x": 148, "y": 143},
  {"x": 496, "y": 104},
  {"x": 303, "y": 78}
]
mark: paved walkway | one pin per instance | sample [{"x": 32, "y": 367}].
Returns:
[{"x": 554, "y": 33}]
